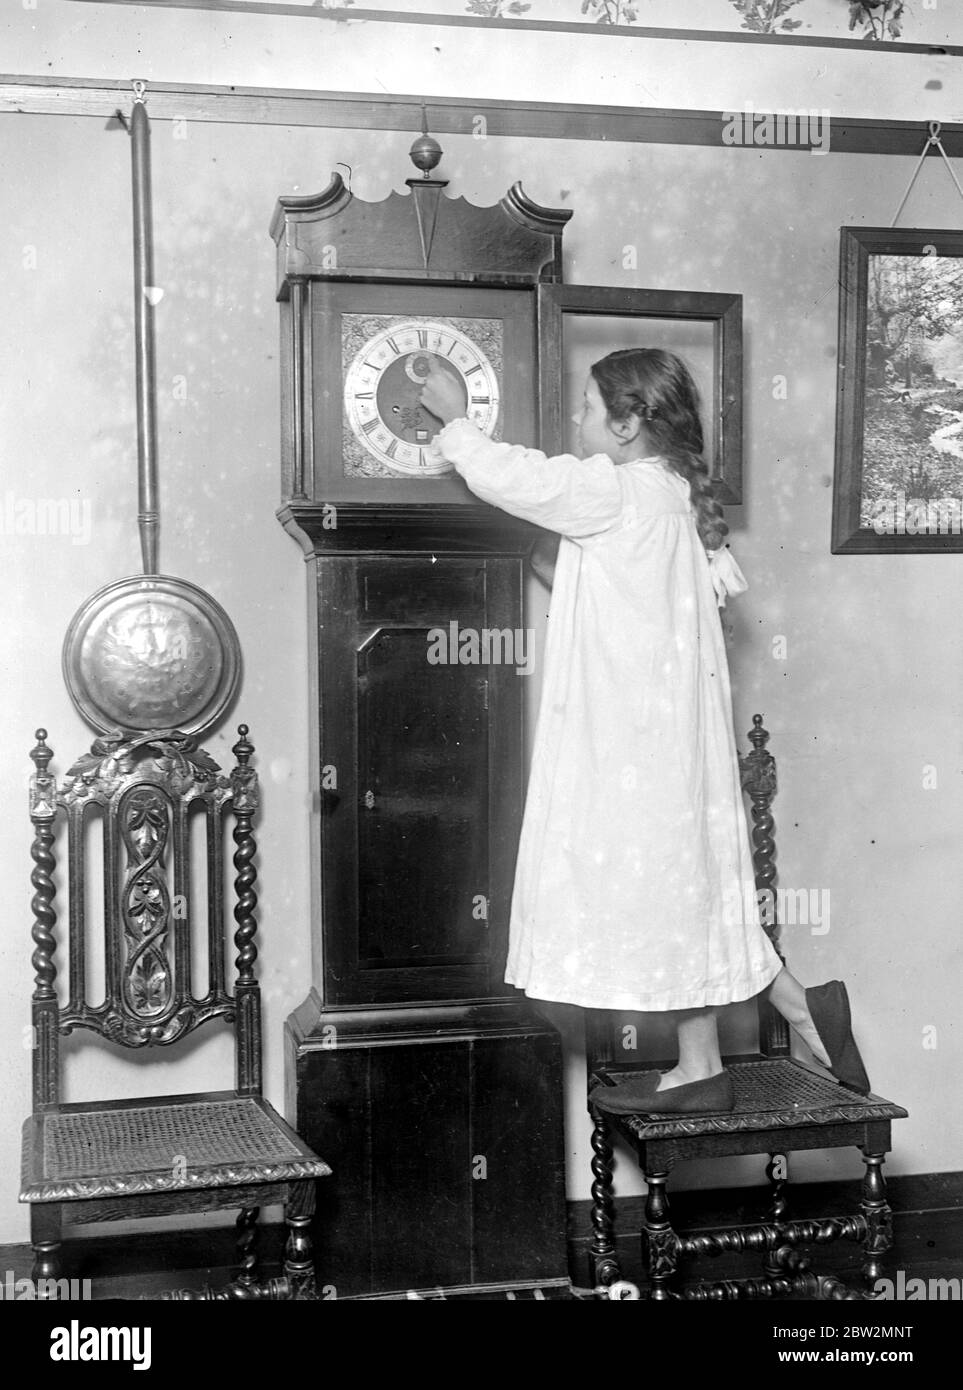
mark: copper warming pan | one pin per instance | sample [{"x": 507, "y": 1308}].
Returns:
[{"x": 149, "y": 652}]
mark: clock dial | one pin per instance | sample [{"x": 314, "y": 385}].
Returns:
[{"x": 383, "y": 385}]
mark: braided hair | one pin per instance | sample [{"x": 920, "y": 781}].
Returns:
[{"x": 657, "y": 387}]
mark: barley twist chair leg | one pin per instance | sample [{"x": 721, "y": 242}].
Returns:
[
  {"x": 247, "y": 1251},
  {"x": 603, "y": 1260}
]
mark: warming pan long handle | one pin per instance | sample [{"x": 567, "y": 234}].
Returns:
[{"x": 148, "y": 515}]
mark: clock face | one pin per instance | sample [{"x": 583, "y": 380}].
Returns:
[{"x": 384, "y": 380}]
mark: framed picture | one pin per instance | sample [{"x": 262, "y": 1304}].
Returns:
[
  {"x": 899, "y": 404},
  {"x": 585, "y": 322}
]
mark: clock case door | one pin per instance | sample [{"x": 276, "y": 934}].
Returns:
[{"x": 418, "y": 836}]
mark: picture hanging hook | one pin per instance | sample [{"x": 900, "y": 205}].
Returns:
[
  {"x": 933, "y": 142},
  {"x": 140, "y": 90}
]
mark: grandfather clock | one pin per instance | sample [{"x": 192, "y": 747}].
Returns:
[{"x": 434, "y": 1088}]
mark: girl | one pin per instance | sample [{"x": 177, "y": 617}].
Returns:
[{"x": 634, "y": 860}]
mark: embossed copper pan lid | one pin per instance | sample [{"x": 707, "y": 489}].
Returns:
[{"x": 149, "y": 652}]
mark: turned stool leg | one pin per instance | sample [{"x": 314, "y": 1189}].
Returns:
[
  {"x": 660, "y": 1244},
  {"x": 603, "y": 1260},
  {"x": 246, "y": 1245},
  {"x": 879, "y": 1218},
  {"x": 45, "y": 1238},
  {"x": 777, "y": 1172},
  {"x": 299, "y": 1251}
]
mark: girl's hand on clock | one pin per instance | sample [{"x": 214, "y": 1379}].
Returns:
[{"x": 443, "y": 396}]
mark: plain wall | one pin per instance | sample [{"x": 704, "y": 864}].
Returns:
[{"x": 865, "y": 698}]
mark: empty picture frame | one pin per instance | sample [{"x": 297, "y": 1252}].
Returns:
[{"x": 578, "y": 324}]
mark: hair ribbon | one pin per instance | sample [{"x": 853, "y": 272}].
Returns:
[{"x": 727, "y": 578}]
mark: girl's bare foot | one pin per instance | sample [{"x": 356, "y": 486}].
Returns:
[
  {"x": 807, "y": 1031},
  {"x": 698, "y": 1049},
  {"x": 788, "y": 997},
  {"x": 678, "y": 1077}
]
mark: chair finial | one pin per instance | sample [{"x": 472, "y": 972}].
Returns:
[
  {"x": 244, "y": 782},
  {"x": 243, "y": 749},
  {"x": 41, "y": 754},
  {"x": 758, "y": 736}
]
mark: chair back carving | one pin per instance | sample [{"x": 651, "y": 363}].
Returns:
[{"x": 146, "y": 790}]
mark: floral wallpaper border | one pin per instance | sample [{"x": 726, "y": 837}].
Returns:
[
  {"x": 875, "y": 21},
  {"x": 918, "y": 25}
]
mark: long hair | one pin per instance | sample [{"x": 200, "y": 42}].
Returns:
[{"x": 657, "y": 387}]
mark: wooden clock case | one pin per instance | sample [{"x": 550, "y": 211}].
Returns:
[{"x": 433, "y": 1088}]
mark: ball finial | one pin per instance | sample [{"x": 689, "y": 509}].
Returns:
[{"x": 425, "y": 152}]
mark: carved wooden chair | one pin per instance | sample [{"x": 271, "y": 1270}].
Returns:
[
  {"x": 114, "y": 1160},
  {"x": 782, "y": 1105}
]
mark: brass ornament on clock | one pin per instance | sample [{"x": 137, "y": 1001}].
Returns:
[{"x": 384, "y": 379}]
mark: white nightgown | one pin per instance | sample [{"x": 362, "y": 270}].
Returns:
[{"x": 634, "y": 885}]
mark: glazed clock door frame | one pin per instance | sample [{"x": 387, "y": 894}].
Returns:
[
  {"x": 324, "y": 378},
  {"x": 722, "y": 311}
]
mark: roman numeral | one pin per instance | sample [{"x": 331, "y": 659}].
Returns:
[
  {"x": 370, "y": 425},
  {"x": 394, "y": 347},
  {"x": 422, "y": 337},
  {"x": 392, "y": 449},
  {"x": 472, "y": 370},
  {"x": 481, "y": 400},
  {"x": 364, "y": 395}
]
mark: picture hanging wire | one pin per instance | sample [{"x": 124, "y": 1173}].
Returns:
[{"x": 933, "y": 140}]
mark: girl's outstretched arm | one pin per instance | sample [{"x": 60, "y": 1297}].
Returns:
[{"x": 575, "y": 497}]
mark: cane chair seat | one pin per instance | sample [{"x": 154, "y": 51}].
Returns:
[
  {"x": 772, "y": 1093},
  {"x": 172, "y": 1144}
]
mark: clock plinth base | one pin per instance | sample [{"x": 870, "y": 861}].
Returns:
[{"x": 446, "y": 1123}]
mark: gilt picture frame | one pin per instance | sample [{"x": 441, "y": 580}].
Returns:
[{"x": 898, "y": 484}]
